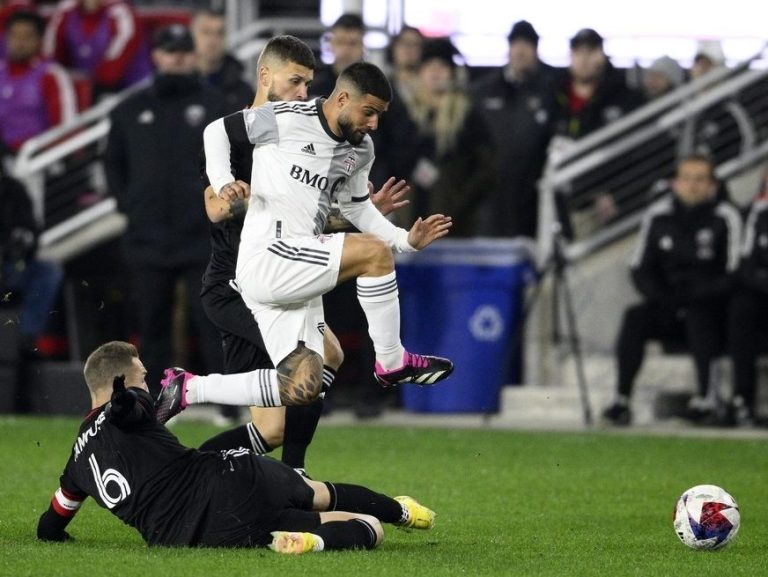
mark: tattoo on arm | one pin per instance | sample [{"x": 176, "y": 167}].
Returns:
[
  {"x": 237, "y": 207},
  {"x": 337, "y": 222}
]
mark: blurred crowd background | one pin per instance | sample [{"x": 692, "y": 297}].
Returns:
[{"x": 103, "y": 223}]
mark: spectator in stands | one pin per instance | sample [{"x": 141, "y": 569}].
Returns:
[
  {"x": 684, "y": 268},
  {"x": 661, "y": 77},
  {"x": 8, "y": 7},
  {"x": 593, "y": 93},
  {"x": 590, "y": 96},
  {"x": 101, "y": 39},
  {"x": 404, "y": 57},
  {"x": 724, "y": 130},
  {"x": 518, "y": 95},
  {"x": 396, "y": 137},
  {"x": 748, "y": 312},
  {"x": 38, "y": 282},
  {"x": 152, "y": 169},
  {"x": 709, "y": 56},
  {"x": 217, "y": 67},
  {"x": 454, "y": 163},
  {"x": 35, "y": 94},
  {"x": 346, "y": 42}
]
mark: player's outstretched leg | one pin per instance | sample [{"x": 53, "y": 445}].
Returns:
[
  {"x": 378, "y": 295},
  {"x": 419, "y": 369}
]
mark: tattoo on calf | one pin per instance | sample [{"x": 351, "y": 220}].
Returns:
[{"x": 300, "y": 377}]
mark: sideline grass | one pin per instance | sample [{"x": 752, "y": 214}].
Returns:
[{"x": 508, "y": 503}]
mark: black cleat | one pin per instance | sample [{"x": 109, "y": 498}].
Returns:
[
  {"x": 618, "y": 414},
  {"x": 418, "y": 369}
]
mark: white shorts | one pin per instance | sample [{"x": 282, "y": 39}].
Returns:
[{"x": 283, "y": 285}]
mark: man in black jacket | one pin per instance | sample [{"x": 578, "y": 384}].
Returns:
[
  {"x": 219, "y": 68},
  {"x": 151, "y": 163},
  {"x": 684, "y": 268},
  {"x": 520, "y": 95},
  {"x": 173, "y": 495}
]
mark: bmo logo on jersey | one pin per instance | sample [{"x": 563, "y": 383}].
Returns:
[{"x": 315, "y": 180}]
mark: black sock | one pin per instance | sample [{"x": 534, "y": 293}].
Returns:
[
  {"x": 358, "y": 499},
  {"x": 247, "y": 436},
  {"x": 352, "y": 534},
  {"x": 300, "y": 424}
]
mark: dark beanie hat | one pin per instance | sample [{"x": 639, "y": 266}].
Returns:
[
  {"x": 586, "y": 37},
  {"x": 523, "y": 30},
  {"x": 441, "y": 49}
]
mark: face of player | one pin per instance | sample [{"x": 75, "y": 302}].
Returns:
[
  {"x": 359, "y": 116},
  {"x": 134, "y": 376},
  {"x": 208, "y": 32},
  {"x": 347, "y": 47},
  {"x": 177, "y": 62},
  {"x": 289, "y": 82},
  {"x": 693, "y": 183},
  {"x": 587, "y": 63},
  {"x": 22, "y": 42}
]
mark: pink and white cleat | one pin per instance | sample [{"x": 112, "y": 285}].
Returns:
[{"x": 173, "y": 394}]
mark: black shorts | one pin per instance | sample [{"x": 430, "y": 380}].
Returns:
[
  {"x": 242, "y": 343},
  {"x": 253, "y": 496}
]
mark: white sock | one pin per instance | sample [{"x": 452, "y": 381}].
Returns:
[
  {"x": 257, "y": 388},
  {"x": 378, "y": 297}
]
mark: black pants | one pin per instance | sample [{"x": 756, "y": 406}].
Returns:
[
  {"x": 747, "y": 329},
  {"x": 700, "y": 326},
  {"x": 241, "y": 341},
  {"x": 154, "y": 290}
]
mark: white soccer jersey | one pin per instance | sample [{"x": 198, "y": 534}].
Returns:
[{"x": 299, "y": 168}]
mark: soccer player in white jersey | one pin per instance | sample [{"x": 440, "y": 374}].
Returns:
[
  {"x": 285, "y": 71},
  {"x": 306, "y": 156}
]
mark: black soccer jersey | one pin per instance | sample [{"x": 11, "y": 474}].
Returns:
[
  {"x": 225, "y": 235},
  {"x": 138, "y": 470}
]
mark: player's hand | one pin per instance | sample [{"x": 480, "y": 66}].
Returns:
[
  {"x": 387, "y": 199},
  {"x": 235, "y": 189},
  {"x": 426, "y": 231},
  {"x": 123, "y": 400},
  {"x": 118, "y": 385}
]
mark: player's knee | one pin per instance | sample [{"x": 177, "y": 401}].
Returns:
[
  {"x": 375, "y": 524},
  {"x": 380, "y": 259},
  {"x": 300, "y": 377},
  {"x": 333, "y": 353}
]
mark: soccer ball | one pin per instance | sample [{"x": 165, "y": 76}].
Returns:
[{"x": 706, "y": 517}]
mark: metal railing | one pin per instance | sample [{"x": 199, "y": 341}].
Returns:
[{"x": 627, "y": 162}]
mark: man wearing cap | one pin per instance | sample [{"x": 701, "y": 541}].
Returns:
[
  {"x": 593, "y": 93},
  {"x": 151, "y": 163},
  {"x": 518, "y": 94},
  {"x": 590, "y": 96}
]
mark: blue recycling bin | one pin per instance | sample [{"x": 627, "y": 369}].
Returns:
[{"x": 463, "y": 299}]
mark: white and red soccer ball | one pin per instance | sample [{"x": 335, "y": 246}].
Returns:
[{"x": 706, "y": 517}]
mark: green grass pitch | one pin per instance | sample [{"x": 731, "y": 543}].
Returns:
[{"x": 508, "y": 503}]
